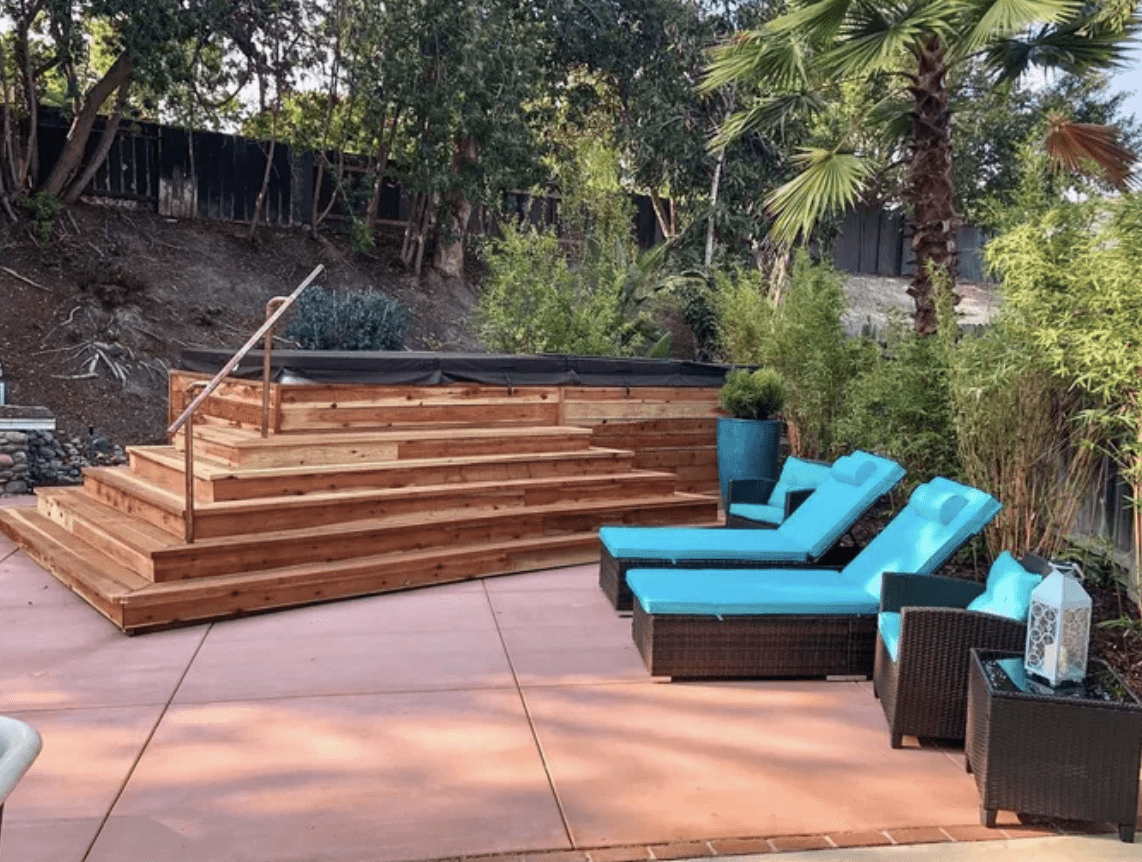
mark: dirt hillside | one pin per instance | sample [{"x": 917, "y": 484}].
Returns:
[{"x": 91, "y": 319}]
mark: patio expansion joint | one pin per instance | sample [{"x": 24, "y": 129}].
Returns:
[
  {"x": 530, "y": 720},
  {"x": 146, "y": 744}
]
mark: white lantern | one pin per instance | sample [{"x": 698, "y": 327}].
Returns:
[{"x": 1058, "y": 627}]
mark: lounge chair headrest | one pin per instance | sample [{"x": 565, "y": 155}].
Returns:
[
  {"x": 935, "y": 504},
  {"x": 852, "y": 470}
]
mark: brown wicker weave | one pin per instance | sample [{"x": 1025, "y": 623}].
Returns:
[
  {"x": 923, "y": 693},
  {"x": 682, "y": 646},
  {"x": 1052, "y": 755}
]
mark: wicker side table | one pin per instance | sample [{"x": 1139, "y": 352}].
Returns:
[{"x": 1073, "y": 755}]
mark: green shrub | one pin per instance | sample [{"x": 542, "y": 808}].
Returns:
[
  {"x": 532, "y": 302},
  {"x": 801, "y": 337},
  {"x": 745, "y": 316},
  {"x": 348, "y": 320},
  {"x": 900, "y": 405},
  {"x": 757, "y": 394},
  {"x": 1020, "y": 438}
]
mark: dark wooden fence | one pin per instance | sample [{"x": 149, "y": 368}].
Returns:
[
  {"x": 185, "y": 174},
  {"x": 877, "y": 242}
]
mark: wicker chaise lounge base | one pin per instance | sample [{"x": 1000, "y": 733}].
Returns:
[{"x": 683, "y": 646}]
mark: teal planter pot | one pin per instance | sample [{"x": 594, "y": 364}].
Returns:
[{"x": 747, "y": 449}]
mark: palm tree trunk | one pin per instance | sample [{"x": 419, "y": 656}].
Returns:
[{"x": 930, "y": 189}]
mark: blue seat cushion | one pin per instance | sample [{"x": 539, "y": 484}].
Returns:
[
  {"x": 695, "y": 543},
  {"x": 888, "y": 625},
  {"x": 767, "y": 513},
  {"x": 737, "y": 592},
  {"x": 1008, "y": 590}
]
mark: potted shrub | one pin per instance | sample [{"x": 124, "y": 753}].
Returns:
[{"x": 748, "y": 438}]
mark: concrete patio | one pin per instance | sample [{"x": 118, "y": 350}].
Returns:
[{"x": 508, "y": 717}]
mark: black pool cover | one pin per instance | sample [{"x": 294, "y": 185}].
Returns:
[{"x": 426, "y": 369}]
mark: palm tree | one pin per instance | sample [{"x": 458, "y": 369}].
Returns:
[{"x": 912, "y": 44}]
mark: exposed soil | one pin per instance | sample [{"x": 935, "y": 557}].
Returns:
[{"x": 115, "y": 294}]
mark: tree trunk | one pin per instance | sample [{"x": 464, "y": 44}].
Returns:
[
  {"x": 260, "y": 202},
  {"x": 382, "y": 164},
  {"x": 930, "y": 189},
  {"x": 71, "y": 158},
  {"x": 664, "y": 216},
  {"x": 449, "y": 258},
  {"x": 100, "y": 155},
  {"x": 715, "y": 185}
]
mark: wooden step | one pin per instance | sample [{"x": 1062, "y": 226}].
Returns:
[
  {"x": 139, "y": 498},
  {"x": 243, "y": 448},
  {"x": 130, "y": 541},
  {"x": 215, "y": 482},
  {"x": 188, "y": 601},
  {"x": 95, "y": 577},
  {"x": 418, "y": 531}
]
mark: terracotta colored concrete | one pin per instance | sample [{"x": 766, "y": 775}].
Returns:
[
  {"x": 769, "y": 758},
  {"x": 57, "y": 810},
  {"x": 395, "y": 777},
  {"x": 510, "y": 716}
]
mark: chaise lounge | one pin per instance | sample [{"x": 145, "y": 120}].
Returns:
[
  {"x": 855, "y": 482},
  {"x": 790, "y": 622}
]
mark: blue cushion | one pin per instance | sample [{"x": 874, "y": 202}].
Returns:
[
  {"x": 835, "y": 506},
  {"x": 937, "y": 504},
  {"x": 1008, "y": 591},
  {"x": 777, "y": 496},
  {"x": 888, "y": 625},
  {"x": 738, "y": 592},
  {"x": 803, "y": 473},
  {"x": 763, "y": 512},
  {"x": 695, "y": 543},
  {"x": 916, "y": 544},
  {"x": 852, "y": 470}
]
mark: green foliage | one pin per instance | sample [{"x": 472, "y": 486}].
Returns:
[
  {"x": 1019, "y": 436},
  {"x": 757, "y": 394},
  {"x": 900, "y": 405},
  {"x": 349, "y": 320},
  {"x": 745, "y": 315},
  {"x": 1071, "y": 273},
  {"x": 44, "y": 208},
  {"x": 535, "y": 298},
  {"x": 801, "y": 337}
]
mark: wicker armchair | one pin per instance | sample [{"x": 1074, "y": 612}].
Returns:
[
  {"x": 765, "y": 503},
  {"x": 923, "y": 691}
]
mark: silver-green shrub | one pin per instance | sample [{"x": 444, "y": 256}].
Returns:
[{"x": 348, "y": 320}]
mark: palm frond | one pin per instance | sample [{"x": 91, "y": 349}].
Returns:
[
  {"x": 876, "y": 35},
  {"x": 1081, "y": 146},
  {"x": 1077, "y": 45},
  {"x": 770, "y": 115},
  {"x": 1000, "y": 18},
  {"x": 829, "y": 181},
  {"x": 774, "y": 62},
  {"x": 820, "y": 21}
]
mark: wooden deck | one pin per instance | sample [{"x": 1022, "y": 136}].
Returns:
[{"x": 362, "y": 489}]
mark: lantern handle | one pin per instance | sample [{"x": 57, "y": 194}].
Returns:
[{"x": 1068, "y": 569}]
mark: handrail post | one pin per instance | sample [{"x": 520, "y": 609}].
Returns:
[
  {"x": 267, "y": 362},
  {"x": 188, "y": 466}
]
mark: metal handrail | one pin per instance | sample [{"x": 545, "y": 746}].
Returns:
[{"x": 275, "y": 308}]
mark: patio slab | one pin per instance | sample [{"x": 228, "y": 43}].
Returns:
[
  {"x": 688, "y": 762},
  {"x": 510, "y": 718},
  {"x": 378, "y": 777},
  {"x": 58, "y": 809}
]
